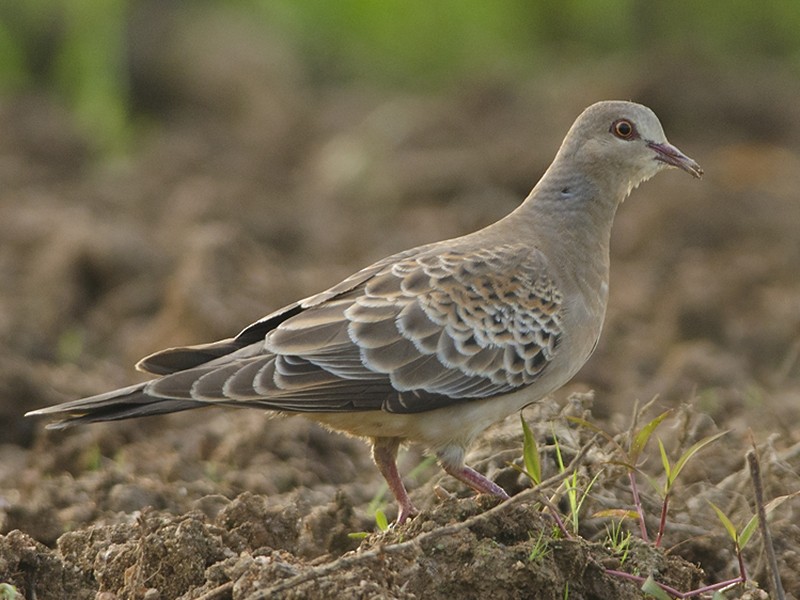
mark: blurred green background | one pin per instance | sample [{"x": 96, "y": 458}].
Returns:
[{"x": 85, "y": 52}]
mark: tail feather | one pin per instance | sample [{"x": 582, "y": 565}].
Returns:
[
  {"x": 173, "y": 360},
  {"x": 124, "y": 403}
]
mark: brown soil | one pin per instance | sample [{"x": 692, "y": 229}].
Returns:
[{"x": 261, "y": 186}]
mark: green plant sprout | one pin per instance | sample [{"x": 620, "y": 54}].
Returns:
[
  {"x": 530, "y": 453},
  {"x": 630, "y": 458},
  {"x": 540, "y": 548},
  {"x": 574, "y": 498},
  {"x": 740, "y": 538},
  {"x": 618, "y": 541},
  {"x": 381, "y": 521},
  {"x": 532, "y": 470},
  {"x": 672, "y": 471}
]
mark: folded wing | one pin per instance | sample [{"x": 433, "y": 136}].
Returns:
[{"x": 409, "y": 334}]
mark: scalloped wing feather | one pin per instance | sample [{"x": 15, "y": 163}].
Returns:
[{"x": 418, "y": 333}]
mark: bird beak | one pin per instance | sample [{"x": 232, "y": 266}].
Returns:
[{"x": 669, "y": 154}]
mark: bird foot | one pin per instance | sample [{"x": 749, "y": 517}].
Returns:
[
  {"x": 404, "y": 513},
  {"x": 476, "y": 481}
]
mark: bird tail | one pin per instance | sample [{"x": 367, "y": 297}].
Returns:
[{"x": 124, "y": 403}]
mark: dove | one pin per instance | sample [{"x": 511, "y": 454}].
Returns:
[{"x": 434, "y": 344}]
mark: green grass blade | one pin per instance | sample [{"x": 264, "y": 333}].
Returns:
[
  {"x": 426, "y": 462},
  {"x": 641, "y": 438},
  {"x": 381, "y": 520},
  {"x": 748, "y": 531},
  {"x": 588, "y": 489},
  {"x": 572, "y": 498},
  {"x": 530, "y": 453},
  {"x": 665, "y": 461},
  {"x": 726, "y": 522},
  {"x": 651, "y": 587},
  {"x": 752, "y": 524},
  {"x": 561, "y": 467},
  {"x": 676, "y": 469}
]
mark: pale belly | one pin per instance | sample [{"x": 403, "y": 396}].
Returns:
[{"x": 435, "y": 429}]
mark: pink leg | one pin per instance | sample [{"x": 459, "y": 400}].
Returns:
[
  {"x": 384, "y": 453},
  {"x": 475, "y": 480}
]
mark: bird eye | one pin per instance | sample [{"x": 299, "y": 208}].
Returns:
[{"x": 623, "y": 129}]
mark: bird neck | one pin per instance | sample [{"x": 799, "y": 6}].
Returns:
[
  {"x": 574, "y": 212},
  {"x": 577, "y": 206}
]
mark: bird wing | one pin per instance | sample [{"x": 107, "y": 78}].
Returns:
[{"x": 412, "y": 333}]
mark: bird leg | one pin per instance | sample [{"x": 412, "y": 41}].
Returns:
[
  {"x": 475, "y": 480},
  {"x": 384, "y": 453}
]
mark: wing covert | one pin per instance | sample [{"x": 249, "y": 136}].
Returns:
[{"x": 450, "y": 325}]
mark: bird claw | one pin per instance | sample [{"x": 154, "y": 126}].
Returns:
[{"x": 406, "y": 511}]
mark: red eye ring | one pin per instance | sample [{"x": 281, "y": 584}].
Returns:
[{"x": 623, "y": 129}]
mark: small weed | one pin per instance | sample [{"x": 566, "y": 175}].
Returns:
[
  {"x": 631, "y": 458},
  {"x": 672, "y": 471},
  {"x": 571, "y": 486},
  {"x": 618, "y": 541},
  {"x": 575, "y": 496},
  {"x": 381, "y": 521},
  {"x": 540, "y": 548}
]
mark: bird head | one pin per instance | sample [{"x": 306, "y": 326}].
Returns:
[{"x": 625, "y": 143}]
